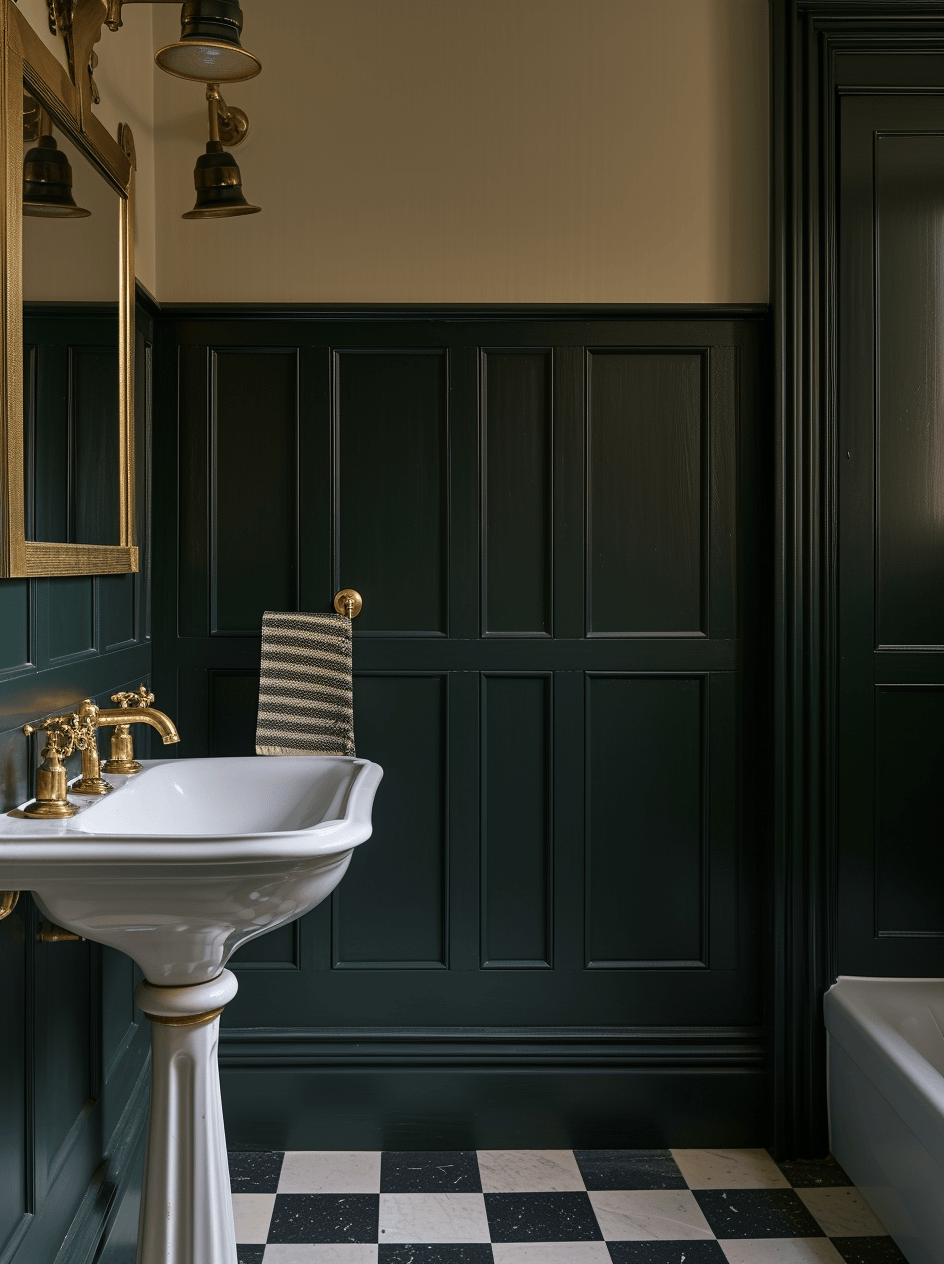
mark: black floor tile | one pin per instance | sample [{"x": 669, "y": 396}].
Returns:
[
  {"x": 756, "y": 1213},
  {"x": 250, "y": 1254},
  {"x": 869, "y": 1251},
  {"x": 697, "y": 1252},
  {"x": 255, "y": 1171},
  {"x": 629, "y": 1169},
  {"x": 429, "y": 1172},
  {"x": 813, "y": 1173},
  {"x": 325, "y": 1218},
  {"x": 541, "y": 1218},
  {"x": 465, "y": 1253}
]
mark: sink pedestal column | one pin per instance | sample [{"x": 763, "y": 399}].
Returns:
[{"x": 186, "y": 1208}]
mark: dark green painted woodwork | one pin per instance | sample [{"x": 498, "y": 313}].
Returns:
[
  {"x": 451, "y": 470},
  {"x": 909, "y": 863},
  {"x": 14, "y": 624},
  {"x": 392, "y": 443},
  {"x": 890, "y": 435},
  {"x": 647, "y": 467},
  {"x": 72, "y": 1050},
  {"x": 253, "y": 538},
  {"x": 390, "y": 910},
  {"x": 646, "y": 828},
  {"x": 233, "y": 701},
  {"x": 517, "y": 491},
  {"x": 908, "y": 204},
  {"x": 516, "y": 820},
  {"x": 74, "y": 634}
]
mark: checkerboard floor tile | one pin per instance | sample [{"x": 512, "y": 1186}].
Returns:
[{"x": 549, "y": 1207}]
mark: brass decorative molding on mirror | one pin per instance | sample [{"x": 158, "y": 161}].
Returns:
[{"x": 67, "y": 494}]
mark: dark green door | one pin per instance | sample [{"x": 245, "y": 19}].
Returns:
[
  {"x": 891, "y": 535},
  {"x": 552, "y": 935}
]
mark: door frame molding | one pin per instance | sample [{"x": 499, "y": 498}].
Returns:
[{"x": 806, "y": 36}]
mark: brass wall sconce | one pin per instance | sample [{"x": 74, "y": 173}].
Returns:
[
  {"x": 209, "y": 51},
  {"x": 216, "y": 176},
  {"x": 208, "y": 48}
]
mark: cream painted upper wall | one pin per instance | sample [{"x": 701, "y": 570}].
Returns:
[
  {"x": 125, "y": 80},
  {"x": 495, "y": 151}
]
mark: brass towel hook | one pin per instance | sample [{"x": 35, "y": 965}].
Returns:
[
  {"x": 348, "y": 601},
  {"x": 8, "y": 902}
]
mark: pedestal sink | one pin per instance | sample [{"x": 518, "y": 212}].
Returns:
[{"x": 178, "y": 867}]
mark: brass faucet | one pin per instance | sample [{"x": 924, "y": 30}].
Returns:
[
  {"x": 122, "y": 748},
  {"x": 76, "y": 731}
]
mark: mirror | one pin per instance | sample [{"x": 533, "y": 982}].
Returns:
[{"x": 67, "y": 429}]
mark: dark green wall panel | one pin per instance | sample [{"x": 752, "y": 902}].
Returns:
[
  {"x": 516, "y": 821},
  {"x": 646, "y": 827},
  {"x": 117, "y": 597},
  {"x": 73, "y": 631},
  {"x": 233, "y": 703},
  {"x": 443, "y": 472},
  {"x": 390, "y": 908},
  {"x": 517, "y": 491},
  {"x": 646, "y": 484},
  {"x": 392, "y": 441},
  {"x": 14, "y": 624},
  {"x": 909, "y": 204},
  {"x": 253, "y": 537}
]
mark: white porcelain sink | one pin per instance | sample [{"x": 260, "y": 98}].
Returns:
[
  {"x": 178, "y": 867},
  {"x": 191, "y": 858}
]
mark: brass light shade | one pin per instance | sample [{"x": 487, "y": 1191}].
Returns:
[
  {"x": 209, "y": 49},
  {"x": 47, "y": 183},
  {"x": 219, "y": 186}
]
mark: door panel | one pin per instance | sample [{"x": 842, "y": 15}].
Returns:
[
  {"x": 557, "y": 839},
  {"x": 891, "y": 534}
]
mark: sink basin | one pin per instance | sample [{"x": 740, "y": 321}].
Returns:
[
  {"x": 186, "y": 861},
  {"x": 177, "y": 867}
]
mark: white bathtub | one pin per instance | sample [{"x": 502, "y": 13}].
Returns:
[{"x": 886, "y": 1102}]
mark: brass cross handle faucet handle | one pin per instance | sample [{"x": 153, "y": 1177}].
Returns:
[{"x": 51, "y": 778}]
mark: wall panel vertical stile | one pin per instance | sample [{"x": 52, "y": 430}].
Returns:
[
  {"x": 553, "y": 520},
  {"x": 73, "y": 1054}
]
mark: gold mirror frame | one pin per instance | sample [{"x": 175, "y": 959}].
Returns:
[{"x": 67, "y": 95}]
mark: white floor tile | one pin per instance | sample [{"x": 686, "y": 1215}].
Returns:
[
  {"x": 781, "y": 1251},
  {"x": 433, "y": 1218},
  {"x": 730, "y": 1169},
  {"x": 340, "y": 1254},
  {"x": 647, "y": 1214},
  {"x": 550, "y": 1253},
  {"x": 529, "y": 1171},
  {"x": 252, "y": 1213},
  {"x": 842, "y": 1212},
  {"x": 330, "y": 1172}
]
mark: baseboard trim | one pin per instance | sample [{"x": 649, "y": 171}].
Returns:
[
  {"x": 462, "y": 1088},
  {"x": 447, "y": 1047}
]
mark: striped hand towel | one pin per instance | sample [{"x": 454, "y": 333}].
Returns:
[{"x": 305, "y": 694}]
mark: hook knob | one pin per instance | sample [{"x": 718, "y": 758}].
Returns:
[{"x": 348, "y": 601}]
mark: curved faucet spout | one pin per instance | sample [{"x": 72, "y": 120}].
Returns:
[{"x": 140, "y": 715}]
